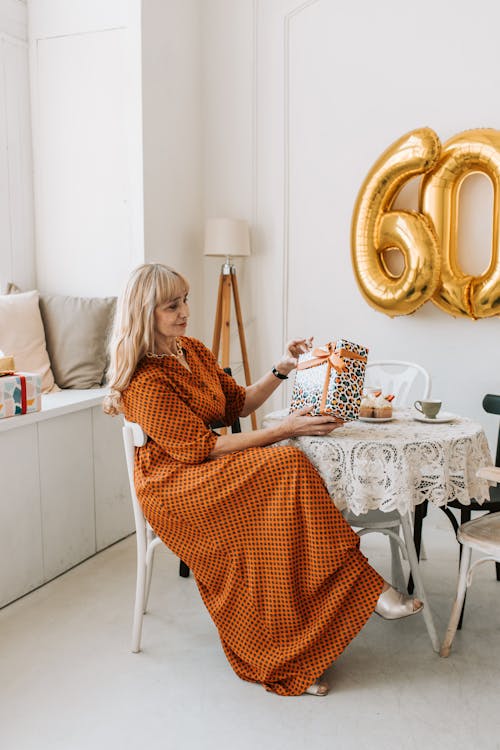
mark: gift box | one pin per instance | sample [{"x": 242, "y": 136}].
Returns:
[
  {"x": 20, "y": 393},
  {"x": 330, "y": 379}
]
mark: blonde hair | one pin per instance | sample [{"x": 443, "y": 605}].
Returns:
[{"x": 133, "y": 334}]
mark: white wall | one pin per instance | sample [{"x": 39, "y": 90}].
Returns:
[
  {"x": 86, "y": 93},
  {"x": 334, "y": 85},
  {"x": 228, "y": 155},
  {"x": 117, "y": 134},
  {"x": 172, "y": 141},
  {"x": 17, "y": 258}
]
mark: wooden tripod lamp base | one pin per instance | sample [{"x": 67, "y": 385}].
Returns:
[
  {"x": 228, "y": 237},
  {"x": 228, "y": 285}
]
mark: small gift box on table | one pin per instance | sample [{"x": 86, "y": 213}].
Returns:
[
  {"x": 20, "y": 393},
  {"x": 330, "y": 379}
]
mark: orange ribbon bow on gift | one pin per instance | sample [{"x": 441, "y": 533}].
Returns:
[
  {"x": 328, "y": 354},
  {"x": 332, "y": 358}
]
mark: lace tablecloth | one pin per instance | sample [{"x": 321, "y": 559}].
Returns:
[{"x": 398, "y": 464}]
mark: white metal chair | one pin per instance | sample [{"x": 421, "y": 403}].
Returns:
[
  {"x": 483, "y": 535},
  {"x": 407, "y": 381},
  {"x": 147, "y": 541}
]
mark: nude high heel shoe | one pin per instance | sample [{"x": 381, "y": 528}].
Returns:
[{"x": 392, "y": 605}]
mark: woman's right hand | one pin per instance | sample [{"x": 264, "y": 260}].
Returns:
[{"x": 300, "y": 423}]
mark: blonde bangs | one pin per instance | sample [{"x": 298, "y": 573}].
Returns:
[{"x": 169, "y": 286}]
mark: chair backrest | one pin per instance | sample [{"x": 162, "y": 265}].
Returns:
[
  {"x": 406, "y": 380},
  {"x": 134, "y": 437},
  {"x": 236, "y": 426},
  {"x": 491, "y": 404}
]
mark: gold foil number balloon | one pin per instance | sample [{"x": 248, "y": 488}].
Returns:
[
  {"x": 472, "y": 151},
  {"x": 377, "y": 228}
]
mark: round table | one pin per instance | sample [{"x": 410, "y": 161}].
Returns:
[{"x": 399, "y": 464}]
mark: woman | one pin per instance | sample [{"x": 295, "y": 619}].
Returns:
[{"x": 277, "y": 566}]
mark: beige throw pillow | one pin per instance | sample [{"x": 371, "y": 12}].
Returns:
[
  {"x": 23, "y": 336},
  {"x": 77, "y": 331}
]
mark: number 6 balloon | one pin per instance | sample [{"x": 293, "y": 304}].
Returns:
[{"x": 376, "y": 228}]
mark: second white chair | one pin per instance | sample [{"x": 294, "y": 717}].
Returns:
[
  {"x": 482, "y": 535},
  {"x": 407, "y": 381}
]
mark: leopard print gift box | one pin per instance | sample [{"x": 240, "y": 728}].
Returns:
[{"x": 330, "y": 379}]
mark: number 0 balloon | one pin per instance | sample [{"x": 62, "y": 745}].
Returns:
[{"x": 466, "y": 153}]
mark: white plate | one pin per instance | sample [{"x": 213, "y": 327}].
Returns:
[
  {"x": 442, "y": 417},
  {"x": 375, "y": 419}
]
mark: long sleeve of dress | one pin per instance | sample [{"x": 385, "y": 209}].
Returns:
[
  {"x": 167, "y": 420},
  {"x": 235, "y": 394}
]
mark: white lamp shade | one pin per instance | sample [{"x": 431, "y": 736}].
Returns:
[{"x": 227, "y": 237}]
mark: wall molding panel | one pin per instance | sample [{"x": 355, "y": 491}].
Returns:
[
  {"x": 87, "y": 123},
  {"x": 290, "y": 19},
  {"x": 17, "y": 250},
  {"x": 275, "y": 25}
]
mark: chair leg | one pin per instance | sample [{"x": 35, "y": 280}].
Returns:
[
  {"x": 183, "y": 569},
  {"x": 147, "y": 588},
  {"x": 459, "y": 601},
  {"x": 420, "y": 513},
  {"x": 497, "y": 566},
  {"x": 461, "y": 618},
  {"x": 413, "y": 560},
  {"x": 140, "y": 591},
  {"x": 451, "y": 518},
  {"x": 465, "y": 515},
  {"x": 398, "y": 578}
]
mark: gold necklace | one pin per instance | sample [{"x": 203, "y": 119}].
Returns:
[{"x": 178, "y": 354}]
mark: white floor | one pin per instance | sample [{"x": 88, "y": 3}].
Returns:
[{"x": 68, "y": 679}]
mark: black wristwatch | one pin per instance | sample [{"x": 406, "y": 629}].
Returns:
[{"x": 279, "y": 375}]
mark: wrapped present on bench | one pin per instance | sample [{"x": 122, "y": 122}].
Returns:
[
  {"x": 20, "y": 393},
  {"x": 330, "y": 379}
]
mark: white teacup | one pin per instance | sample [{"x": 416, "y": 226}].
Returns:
[{"x": 429, "y": 408}]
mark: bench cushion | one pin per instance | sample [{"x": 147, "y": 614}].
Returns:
[
  {"x": 22, "y": 335},
  {"x": 77, "y": 331}
]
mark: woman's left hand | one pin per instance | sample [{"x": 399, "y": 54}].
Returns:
[{"x": 294, "y": 348}]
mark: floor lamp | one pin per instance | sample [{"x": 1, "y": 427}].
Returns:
[{"x": 228, "y": 237}]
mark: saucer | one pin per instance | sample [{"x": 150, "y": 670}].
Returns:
[
  {"x": 375, "y": 419},
  {"x": 442, "y": 417}
]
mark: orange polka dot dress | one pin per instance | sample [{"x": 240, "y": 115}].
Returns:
[{"x": 278, "y": 568}]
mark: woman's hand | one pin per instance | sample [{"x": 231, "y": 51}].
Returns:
[
  {"x": 300, "y": 423},
  {"x": 294, "y": 348}
]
